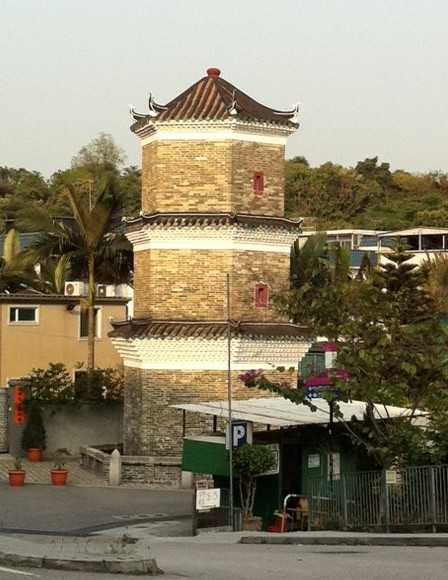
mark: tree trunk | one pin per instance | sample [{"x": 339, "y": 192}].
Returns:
[{"x": 91, "y": 324}]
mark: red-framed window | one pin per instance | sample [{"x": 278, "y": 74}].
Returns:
[
  {"x": 258, "y": 182},
  {"x": 261, "y": 295}
]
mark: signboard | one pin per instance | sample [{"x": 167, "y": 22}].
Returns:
[
  {"x": 313, "y": 460},
  {"x": 241, "y": 434},
  {"x": 275, "y": 448},
  {"x": 207, "y": 499},
  {"x": 334, "y": 465},
  {"x": 393, "y": 477}
]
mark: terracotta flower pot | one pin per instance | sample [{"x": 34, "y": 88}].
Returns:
[
  {"x": 252, "y": 524},
  {"x": 17, "y": 478},
  {"x": 59, "y": 476},
  {"x": 33, "y": 454}
]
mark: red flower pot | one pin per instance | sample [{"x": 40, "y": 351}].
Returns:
[
  {"x": 17, "y": 478},
  {"x": 59, "y": 476},
  {"x": 34, "y": 454}
]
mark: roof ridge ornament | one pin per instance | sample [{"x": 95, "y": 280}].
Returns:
[
  {"x": 154, "y": 109},
  {"x": 233, "y": 108},
  {"x": 295, "y": 117}
]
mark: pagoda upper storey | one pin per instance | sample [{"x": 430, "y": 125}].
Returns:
[{"x": 213, "y": 149}]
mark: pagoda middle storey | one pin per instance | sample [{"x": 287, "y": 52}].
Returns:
[{"x": 212, "y": 206}]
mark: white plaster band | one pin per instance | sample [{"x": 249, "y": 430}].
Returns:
[
  {"x": 205, "y": 366},
  {"x": 212, "y": 244},
  {"x": 217, "y": 135}
]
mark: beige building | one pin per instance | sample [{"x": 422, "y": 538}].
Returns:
[{"x": 37, "y": 329}]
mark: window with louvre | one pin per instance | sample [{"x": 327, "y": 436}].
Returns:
[
  {"x": 261, "y": 295},
  {"x": 258, "y": 183}
]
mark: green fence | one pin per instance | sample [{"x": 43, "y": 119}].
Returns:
[{"x": 386, "y": 500}]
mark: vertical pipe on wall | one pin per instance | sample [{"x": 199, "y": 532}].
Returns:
[{"x": 229, "y": 399}]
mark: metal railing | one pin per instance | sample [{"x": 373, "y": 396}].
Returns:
[{"x": 394, "y": 499}]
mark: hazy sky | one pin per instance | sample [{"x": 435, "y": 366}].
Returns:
[{"x": 371, "y": 75}]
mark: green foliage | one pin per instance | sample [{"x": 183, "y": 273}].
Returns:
[
  {"x": 55, "y": 385},
  {"x": 393, "y": 348},
  {"x": 34, "y": 435},
  {"x": 249, "y": 462},
  {"x": 16, "y": 267},
  {"x": 369, "y": 195},
  {"x": 320, "y": 277},
  {"x": 106, "y": 384},
  {"x": 252, "y": 460}
]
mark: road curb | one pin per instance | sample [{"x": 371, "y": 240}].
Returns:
[
  {"x": 130, "y": 566},
  {"x": 389, "y": 540}
]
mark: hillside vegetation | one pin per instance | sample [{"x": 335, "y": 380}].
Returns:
[{"x": 369, "y": 195}]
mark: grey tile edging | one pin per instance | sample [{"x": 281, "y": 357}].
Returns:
[{"x": 389, "y": 540}]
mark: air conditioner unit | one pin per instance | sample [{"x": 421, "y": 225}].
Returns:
[
  {"x": 75, "y": 288},
  {"x": 101, "y": 290}
]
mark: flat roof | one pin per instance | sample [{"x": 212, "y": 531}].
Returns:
[
  {"x": 415, "y": 232},
  {"x": 38, "y": 298},
  {"x": 280, "y": 412},
  {"x": 347, "y": 232}
]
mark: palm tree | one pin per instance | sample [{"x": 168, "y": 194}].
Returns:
[
  {"x": 16, "y": 268},
  {"x": 84, "y": 244}
]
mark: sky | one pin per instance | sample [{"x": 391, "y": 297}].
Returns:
[{"x": 371, "y": 75}]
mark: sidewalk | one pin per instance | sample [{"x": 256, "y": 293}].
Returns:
[
  {"x": 117, "y": 555},
  {"x": 39, "y": 472}
]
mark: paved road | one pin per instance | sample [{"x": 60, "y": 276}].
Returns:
[
  {"x": 221, "y": 561},
  {"x": 69, "y": 509}
]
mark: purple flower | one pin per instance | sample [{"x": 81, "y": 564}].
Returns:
[{"x": 250, "y": 376}]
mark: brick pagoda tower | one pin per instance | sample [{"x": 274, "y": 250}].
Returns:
[{"x": 212, "y": 204}]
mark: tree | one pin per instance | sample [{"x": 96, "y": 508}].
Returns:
[
  {"x": 34, "y": 435},
  {"x": 87, "y": 242},
  {"x": 319, "y": 283},
  {"x": 16, "y": 268},
  {"x": 393, "y": 351},
  {"x": 101, "y": 155},
  {"x": 249, "y": 462}
]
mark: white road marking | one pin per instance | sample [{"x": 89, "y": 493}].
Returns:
[{"x": 20, "y": 572}]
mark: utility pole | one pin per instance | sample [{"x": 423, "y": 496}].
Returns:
[{"x": 229, "y": 398}]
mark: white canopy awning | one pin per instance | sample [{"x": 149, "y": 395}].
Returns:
[{"x": 279, "y": 412}]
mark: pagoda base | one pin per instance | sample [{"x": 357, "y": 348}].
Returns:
[{"x": 176, "y": 362}]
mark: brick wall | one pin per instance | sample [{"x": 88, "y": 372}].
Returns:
[
  {"x": 192, "y": 176},
  {"x": 3, "y": 421},
  {"x": 156, "y": 429},
  {"x": 192, "y": 283}
]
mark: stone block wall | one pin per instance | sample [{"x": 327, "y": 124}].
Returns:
[
  {"x": 191, "y": 284},
  {"x": 212, "y": 176},
  {"x": 155, "y": 429},
  {"x": 186, "y": 176},
  {"x": 3, "y": 420}
]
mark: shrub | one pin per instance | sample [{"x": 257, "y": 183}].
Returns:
[
  {"x": 249, "y": 462},
  {"x": 34, "y": 435}
]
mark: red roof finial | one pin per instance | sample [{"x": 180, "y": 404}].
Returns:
[{"x": 213, "y": 73}]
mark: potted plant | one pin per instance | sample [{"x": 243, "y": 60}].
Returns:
[
  {"x": 17, "y": 475},
  {"x": 34, "y": 436},
  {"x": 249, "y": 462},
  {"x": 59, "y": 474}
]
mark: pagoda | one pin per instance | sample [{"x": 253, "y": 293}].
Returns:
[{"x": 212, "y": 206}]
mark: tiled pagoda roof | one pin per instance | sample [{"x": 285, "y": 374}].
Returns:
[
  {"x": 211, "y": 219},
  {"x": 212, "y": 98},
  {"x": 148, "y": 328}
]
